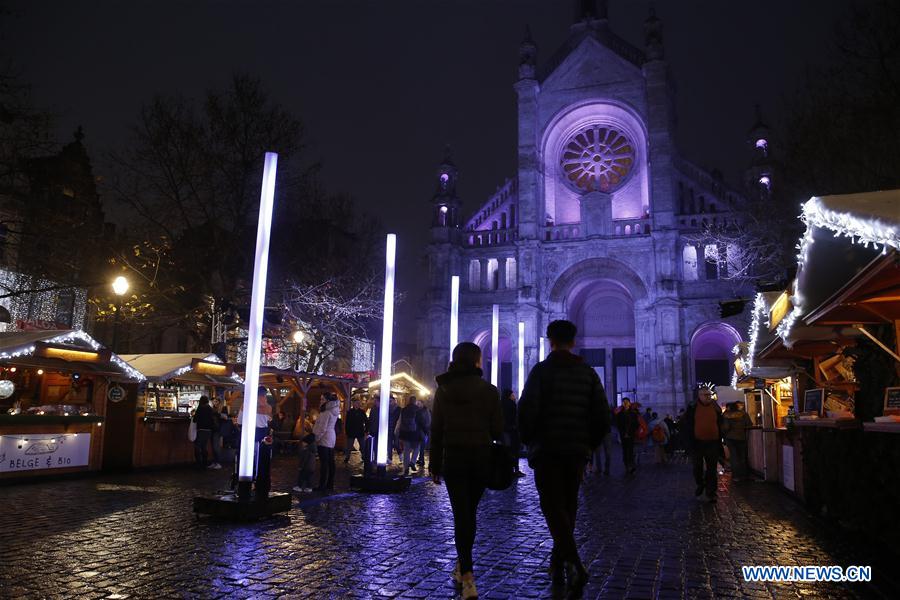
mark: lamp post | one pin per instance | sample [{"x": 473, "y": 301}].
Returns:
[
  {"x": 298, "y": 337},
  {"x": 120, "y": 288},
  {"x": 495, "y": 342}
]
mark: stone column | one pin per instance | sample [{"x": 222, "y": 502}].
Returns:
[
  {"x": 501, "y": 273},
  {"x": 485, "y": 280}
]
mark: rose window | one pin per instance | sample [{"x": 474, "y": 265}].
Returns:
[{"x": 597, "y": 159}]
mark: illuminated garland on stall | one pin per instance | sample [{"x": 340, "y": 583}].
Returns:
[
  {"x": 71, "y": 336},
  {"x": 860, "y": 230}
]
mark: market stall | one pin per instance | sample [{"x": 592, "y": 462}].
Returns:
[
  {"x": 842, "y": 329},
  {"x": 61, "y": 398},
  {"x": 175, "y": 383}
]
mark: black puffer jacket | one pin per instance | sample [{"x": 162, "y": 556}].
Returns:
[
  {"x": 563, "y": 411},
  {"x": 466, "y": 418}
]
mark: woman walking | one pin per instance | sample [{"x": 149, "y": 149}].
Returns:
[{"x": 467, "y": 419}]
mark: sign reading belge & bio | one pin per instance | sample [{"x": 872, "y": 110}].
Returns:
[{"x": 29, "y": 452}]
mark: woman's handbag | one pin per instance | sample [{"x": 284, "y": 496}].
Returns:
[
  {"x": 500, "y": 471},
  {"x": 192, "y": 431}
]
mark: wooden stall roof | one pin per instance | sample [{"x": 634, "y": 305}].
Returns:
[
  {"x": 25, "y": 348},
  {"x": 872, "y": 297},
  {"x": 177, "y": 366},
  {"x": 809, "y": 342}
]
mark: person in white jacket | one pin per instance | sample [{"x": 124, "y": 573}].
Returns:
[{"x": 325, "y": 433}]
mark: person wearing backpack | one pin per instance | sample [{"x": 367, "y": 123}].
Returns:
[
  {"x": 659, "y": 436},
  {"x": 408, "y": 434},
  {"x": 563, "y": 416},
  {"x": 467, "y": 419}
]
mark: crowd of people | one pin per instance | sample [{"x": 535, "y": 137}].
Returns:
[{"x": 563, "y": 420}]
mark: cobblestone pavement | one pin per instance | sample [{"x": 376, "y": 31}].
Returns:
[{"x": 644, "y": 536}]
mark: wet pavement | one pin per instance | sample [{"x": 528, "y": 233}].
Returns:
[{"x": 644, "y": 536}]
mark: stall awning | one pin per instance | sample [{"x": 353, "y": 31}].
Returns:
[
  {"x": 179, "y": 367},
  {"x": 65, "y": 350},
  {"x": 872, "y": 297}
]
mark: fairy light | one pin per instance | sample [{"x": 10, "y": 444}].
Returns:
[
  {"x": 67, "y": 338},
  {"x": 860, "y": 229},
  {"x": 759, "y": 311}
]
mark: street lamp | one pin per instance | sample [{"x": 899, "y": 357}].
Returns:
[
  {"x": 298, "y": 337},
  {"x": 120, "y": 288}
]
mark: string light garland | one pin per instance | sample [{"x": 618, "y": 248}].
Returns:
[
  {"x": 69, "y": 337},
  {"x": 859, "y": 229}
]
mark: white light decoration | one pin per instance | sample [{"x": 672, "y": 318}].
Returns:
[
  {"x": 495, "y": 343},
  {"x": 52, "y": 307},
  {"x": 387, "y": 339},
  {"x": 454, "y": 313},
  {"x": 69, "y": 337},
  {"x": 861, "y": 229},
  {"x": 542, "y": 354},
  {"x": 257, "y": 306},
  {"x": 120, "y": 286},
  {"x": 521, "y": 358},
  {"x": 759, "y": 310}
]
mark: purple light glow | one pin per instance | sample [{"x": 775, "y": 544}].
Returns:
[
  {"x": 764, "y": 180},
  {"x": 761, "y": 143},
  {"x": 444, "y": 210},
  {"x": 444, "y": 178}
]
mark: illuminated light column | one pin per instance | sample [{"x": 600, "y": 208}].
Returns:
[
  {"x": 521, "y": 357},
  {"x": 257, "y": 305},
  {"x": 541, "y": 353},
  {"x": 454, "y": 313},
  {"x": 387, "y": 338},
  {"x": 495, "y": 342}
]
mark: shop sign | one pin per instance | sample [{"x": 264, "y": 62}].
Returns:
[
  {"x": 115, "y": 393},
  {"x": 30, "y": 452},
  {"x": 891, "y": 400}
]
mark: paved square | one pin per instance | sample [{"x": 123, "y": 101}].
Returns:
[{"x": 134, "y": 536}]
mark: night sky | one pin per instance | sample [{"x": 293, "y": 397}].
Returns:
[{"x": 383, "y": 86}]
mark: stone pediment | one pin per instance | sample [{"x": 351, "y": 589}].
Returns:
[{"x": 590, "y": 63}]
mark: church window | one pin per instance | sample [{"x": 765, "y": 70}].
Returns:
[
  {"x": 597, "y": 158},
  {"x": 493, "y": 274},
  {"x": 474, "y": 275},
  {"x": 711, "y": 256},
  {"x": 689, "y": 263},
  {"x": 511, "y": 273}
]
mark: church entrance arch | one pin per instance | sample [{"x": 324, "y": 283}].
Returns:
[
  {"x": 505, "y": 352},
  {"x": 711, "y": 352},
  {"x": 599, "y": 296}
]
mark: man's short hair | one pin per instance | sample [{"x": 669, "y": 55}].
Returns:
[
  {"x": 466, "y": 354},
  {"x": 562, "y": 332}
]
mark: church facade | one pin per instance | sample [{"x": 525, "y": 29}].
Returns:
[{"x": 599, "y": 226}]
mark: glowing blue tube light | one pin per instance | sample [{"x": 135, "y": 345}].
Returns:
[
  {"x": 387, "y": 338},
  {"x": 495, "y": 342},
  {"x": 521, "y": 358},
  {"x": 541, "y": 352},
  {"x": 454, "y": 313},
  {"x": 257, "y": 305}
]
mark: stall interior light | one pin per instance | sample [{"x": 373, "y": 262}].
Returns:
[
  {"x": 208, "y": 368},
  {"x": 40, "y": 371},
  {"x": 71, "y": 355}
]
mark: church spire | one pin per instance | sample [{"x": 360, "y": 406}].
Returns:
[
  {"x": 653, "y": 36},
  {"x": 527, "y": 56}
]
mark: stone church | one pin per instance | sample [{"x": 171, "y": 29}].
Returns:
[{"x": 598, "y": 226}]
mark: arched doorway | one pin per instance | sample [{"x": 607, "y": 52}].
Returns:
[
  {"x": 711, "y": 353},
  {"x": 600, "y": 295},
  {"x": 505, "y": 352},
  {"x": 603, "y": 311}
]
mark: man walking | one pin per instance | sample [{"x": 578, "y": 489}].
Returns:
[
  {"x": 563, "y": 416},
  {"x": 702, "y": 432},
  {"x": 627, "y": 423}
]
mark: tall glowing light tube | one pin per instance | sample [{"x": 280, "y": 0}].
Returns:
[
  {"x": 257, "y": 305},
  {"x": 387, "y": 338},
  {"x": 521, "y": 358},
  {"x": 495, "y": 342},
  {"x": 454, "y": 313},
  {"x": 541, "y": 353}
]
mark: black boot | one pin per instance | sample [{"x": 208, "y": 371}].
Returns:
[{"x": 576, "y": 579}]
